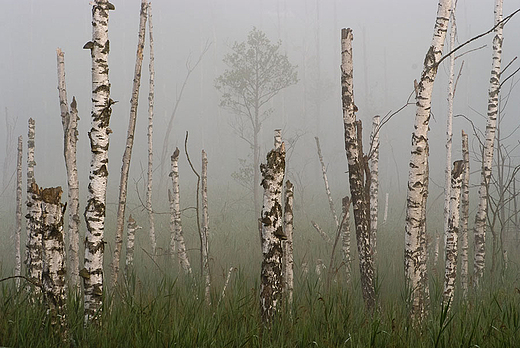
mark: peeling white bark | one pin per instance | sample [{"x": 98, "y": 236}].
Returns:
[
  {"x": 127, "y": 156},
  {"x": 288, "y": 255},
  {"x": 415, "y": 227},
  {"x": 487, "y": 158},
  {"x": 374, "y": 182},
  {"x": 69, "y": 121},
  {"x": 464, "y": 218},
  {"x": 345, "y": 238},
  {"x": 32, "y": 242},
  {"x": 95, "y": 210},
  {"x": 130, "y": 242},
  {"x": 451, "y": 238}
]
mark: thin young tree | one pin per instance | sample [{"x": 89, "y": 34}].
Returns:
[
  {"x": 345, "y": 237},
  {"x": 31, "y": 163},
  {"x": 415, "y": 228},
  {"x": 130, "y": 242},
  {"x": 257, "y": 71},
  {"x": 127, "y": 156},
  {"x": 18, "y": 229},
  {"x": 287, "y": 244},
  {"x": 69, "y": 121},
  {"x": 95, "y": 210},
  {"x": 357, "y": 168},
  {"x": 205, "y": 228},
  {"x": 374, "y": 181},
  {"x": 487, "y": 158},
  {"x": 451, "y": 238},
  {"x": 326, "y": 181},
  {"x": 464, "y": 218},
  {"x": 272, "y": 284}
]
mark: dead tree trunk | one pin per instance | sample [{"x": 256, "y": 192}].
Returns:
[
  {"x": 487, "y": 158},
  {"x": 464, "y": 218},
  {"x": 205, "y": 228},
  {"x": 130, "y": 242},
  {"x": 288, "y": 257},
  {"x": 358, "y": 172},
  {"x": 345, "y": 238},
  {"x": 18, "y": 231},
  {"x": 70, "y": 139},
  {"x": 326, "y": 181},
  {"x": 272, "y": 284},
  {"x": 451, "y": 237},
  {"x": 415, "y": 227},
  {"x": 177, "y": 244},
  {"x": 127, "y": 156},
  {"x": 374, "y": 181},
  {"x": 95, "y": 210}
]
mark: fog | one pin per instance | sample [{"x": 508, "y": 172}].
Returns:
[{"x": 390, "y": 42}]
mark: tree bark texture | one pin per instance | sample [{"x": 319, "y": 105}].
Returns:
[
  {"x": 205, "y": 228},
  {"x": 95, "y": 210},
  {"x": 151, "y": 99},
  {"x": 127, "y": 156},
  {"x": 326, "y": 181},
  {"x": 357, "y": 168},
  {"x": 487, "y": 158},
  {"x": 415, "y": 226},
  {"x": 272, "y": 284},
  {"x": 31, "y": 163},
  {"x": 177, "y": 244},
  {"x": 18, "y": 228},
  {"x": 69, "y": 121},
  {"x": 374, "y": 181},
  {"x": 451, "y": 238},
  {"x": 345, "y": 238},
  {"x": 464, "y": 218},
  {"x": 287, "y": 244},
  {"x": 130, "y": 242}
]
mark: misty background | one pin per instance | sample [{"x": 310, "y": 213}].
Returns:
[{"x": 390, "y": 42}]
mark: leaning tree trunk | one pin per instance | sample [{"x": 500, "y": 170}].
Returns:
[
  {"x": 130, "y": 242},
  {"x": 415, "y": 227},
  {"x": 374, "y": 181},
  {"x": 151, "y": 98},
  {"x": 127, "y": 156},
  {"x": 357, "y": 168},
  {"x": 326, "y": 181},
  {"x": 177, "y": 244},
  {"x": 96, "y": 196},
  {"x": 54, "y": 266},
  {"x": 451, "y": 237},
  {"x": 271, "y": 286},
  {"x": 487, "y": 157},
  {"x": 464, "y": 207},
  {"x": 288, "y": 257},
  {"x": 18, "y": 231},
  {"x": 69, "y": 121},
  {"x": 205, "y": 228}
]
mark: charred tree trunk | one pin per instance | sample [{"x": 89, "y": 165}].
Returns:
[
  {"x": 95, "y": 210},
  {"x": 415, "y": 227},
  {"x": 359, "y": 175},
  {"x": 464, "y": 218},
  {"x": 69, "y": 121},
  {"x": 127, "y": 156},
  {"x": 272, "y": 284}
]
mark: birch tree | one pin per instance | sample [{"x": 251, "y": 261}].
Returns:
[
  {"x": 415, "y": 226},
  {"x": 69, "y": 120},
  {"x": 374, "y": 181},
  {"x": 127, "y": 156},
  {"x": 451, "y": 238},
  {"x": 287, "y": 244},
  {"x": 272, "y": 284},
  {"x": 31, "y": 163},
  {"x": 357, "y": 168},
  {"x": 205, "y": 227},
  {"x": 34, "y": 245},
  {"x": 464, "y": 207},
  {"x": 130, "y": 242},
  {"x": 487, "y": 158},
  {"x": 18, "y": 228},
  {"x": 95, "y": 209},
  {"x": 326, "y": 181},
  {"x": 345, "y": 238}
]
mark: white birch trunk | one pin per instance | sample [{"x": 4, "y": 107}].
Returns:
[
  {"x": 127, "y": 156},
  {"x": 326, "y": 181},
  {"x": 54, "y": 266},
  {"x": 345, "y": 238},
  {"x": 464, "y": 218},
  {"x": 487, "y": 158},
  {"x": 358, "y": 167},
  {"x": 449, "y": 123},
  {"x": 323, "y": 235},
  {"x": 272, "y": 284},
  {"x": 30, "y": 179},
  {"x": 385, "y": 216},
  {"x": 288, "y": 255},
  {"x": 151, "y": 99},
  {"x": 34, "y": 242},
  {"x": 177, "y": 244},
  {"x": 205, "y": 228},
  {"x": 374, "y": 182},
  {"x": 18, "y": 229},
  {"x": 96, "y": 194},
  {"x": 451, "y": 238},
  {"x": 130, "y": 242},
  {"x": 415, "y": 227},
  {"x": 69, "y": 121}
]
